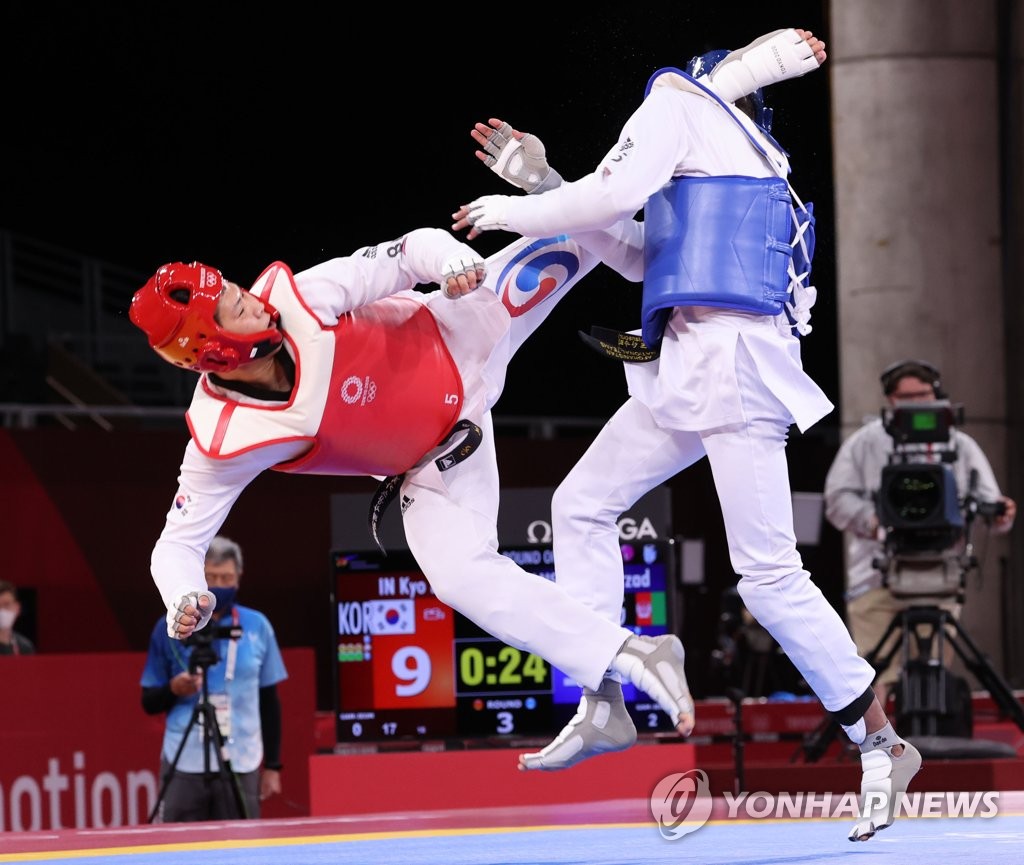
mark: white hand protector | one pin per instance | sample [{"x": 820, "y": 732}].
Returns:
[
  {"x": 767, "y": 60},
  {"x": 488, "y": 213},
  {"x": 522, "y": 163},
  {"x": 176, "y": 609},
  {"x": 463, "y": 263}
]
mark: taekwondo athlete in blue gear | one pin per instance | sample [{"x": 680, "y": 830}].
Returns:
[
  {"x": 728, "y": 241},
  {"x": 727, "y": 384}
]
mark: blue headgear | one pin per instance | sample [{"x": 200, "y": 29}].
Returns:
[{"x": 704, "y": 63}]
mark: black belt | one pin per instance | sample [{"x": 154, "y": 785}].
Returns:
[
  {"x": 629, "y": 347},
  {"x": 390, "y": 486}
]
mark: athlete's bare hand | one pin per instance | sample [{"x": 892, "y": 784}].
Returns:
[
  {"x": 814, "y": 43},
  {"x": 491, "y": 136}
]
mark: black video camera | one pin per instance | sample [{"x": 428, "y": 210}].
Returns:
[
  {"x": 917, "y": 501},
  {"x": 201, "y": 642}
]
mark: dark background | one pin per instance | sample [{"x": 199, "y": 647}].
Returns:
[
  {"x": 145, "y": 133},
  {"x": 141, "y": 134}
]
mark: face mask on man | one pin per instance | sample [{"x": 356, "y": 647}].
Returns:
[
  {"x": 7, "y": 618},
  {"x": 225, "y": 596}
]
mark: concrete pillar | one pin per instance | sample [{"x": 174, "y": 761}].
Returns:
[
  {"x": 1012, "y": 95},
  {"x": 919, "y": 204}
]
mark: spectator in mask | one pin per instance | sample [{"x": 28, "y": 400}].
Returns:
[
  {"x": 11, "y": 642},
  {"x": 241, "y": 686}
]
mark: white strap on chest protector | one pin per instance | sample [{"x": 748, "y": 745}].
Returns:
[{"x": 802, "y": 294}]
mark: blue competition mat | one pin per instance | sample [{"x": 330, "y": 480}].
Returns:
[{"x": 924, "y": 840}]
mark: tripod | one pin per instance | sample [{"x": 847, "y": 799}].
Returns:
[
  {"x": 735, "y": 696},
  {"x": 204, "y": 716},
  {"x": 927, "y": 628},
  {"x": 924, "y": 684},
  {"x": 924, "y": 687}
]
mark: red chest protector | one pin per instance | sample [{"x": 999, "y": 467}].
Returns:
[
  {"x": 394, "y": 393},
  {"x": 372, "y": 394}
]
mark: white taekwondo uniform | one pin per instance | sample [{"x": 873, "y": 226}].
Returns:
[
  {"x": 450, "y": 517},
  {"x": 727, "y": 385}
]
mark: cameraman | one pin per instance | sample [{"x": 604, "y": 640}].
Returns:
[
  {"x": 242, "y": 675},
  {"x": 850, "y": 490}
]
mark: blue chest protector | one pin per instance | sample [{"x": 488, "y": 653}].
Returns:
[{"x": 722, "y": 241}]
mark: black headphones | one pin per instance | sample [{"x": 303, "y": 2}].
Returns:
[{"x": 918, "y": 368}]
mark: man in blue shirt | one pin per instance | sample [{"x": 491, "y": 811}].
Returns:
[{"x": 241, "y": 687}]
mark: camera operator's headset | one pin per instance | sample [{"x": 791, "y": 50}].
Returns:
[{"x": 918, "y": 368}]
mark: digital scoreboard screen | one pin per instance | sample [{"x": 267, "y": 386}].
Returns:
[{"x": 407, "y": 666}]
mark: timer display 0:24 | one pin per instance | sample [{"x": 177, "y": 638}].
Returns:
[{"x": 492, "y": 665}]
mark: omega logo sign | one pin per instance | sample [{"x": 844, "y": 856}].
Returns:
[{"x": 539, "y": 531}]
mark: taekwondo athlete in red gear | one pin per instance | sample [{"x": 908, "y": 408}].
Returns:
[
  {"x": 315, "y": 371},
  {"x": 727, "y": 382}
]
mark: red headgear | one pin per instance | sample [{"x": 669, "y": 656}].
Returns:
[{"x": 176, "y": 309}]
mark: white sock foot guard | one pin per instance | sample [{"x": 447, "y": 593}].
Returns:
[
  {"x": 601, "y": 725},
  {"x": 885, "y": 779},
  {"x": 655, "y": 666}
]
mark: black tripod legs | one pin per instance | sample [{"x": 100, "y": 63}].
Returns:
[{"x": 204, "y": 716}]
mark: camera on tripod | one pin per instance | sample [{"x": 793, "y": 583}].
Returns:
[
  {"x": 927, "y": 553},
  {"x": 205, "y": 716},
  {"x": 201, "y": 642},
  {"x": 918, "y": 503}
]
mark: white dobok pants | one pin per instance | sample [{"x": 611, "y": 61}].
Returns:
[
  {"x": 450, "y": 521},
  {"x": 632, "y": 455}
]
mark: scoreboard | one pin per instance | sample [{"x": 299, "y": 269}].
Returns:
[{"x": 407, "y": 666}]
